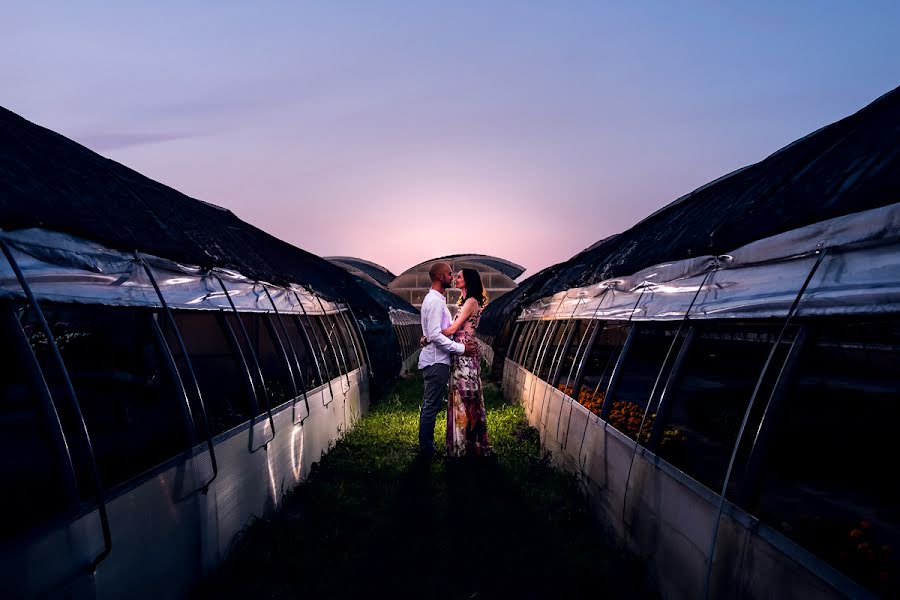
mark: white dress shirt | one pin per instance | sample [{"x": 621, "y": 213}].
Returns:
[{"x": 436, "y": 317}]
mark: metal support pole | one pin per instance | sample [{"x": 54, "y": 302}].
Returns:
[
  {"x": 296, "y": 358},
  {"x": 539, "y": 359},
  {"x": 762, "y": 439},
  {"x": 45, "y": 404},
  {"x": 259, "y": 373},
  {"x": 554, "y": 382},
  {"x": 616, "y": 375},
  {"x": 522, "y": 350},
  {"x": 187, "y": 361},
  {"x": 320, "y": 351},
  {"x": 567, "y": 323},
  {"x": 564, "y": 350},
  {"x": 579, "y": 375},
  {"x": 73, "y": 401},
  {"x": 664, "y": 407},
  {"x": 349, "y": 330},
  {"x": 659, "y": 377},
  {"x": 172, "y": 367},
  {"x": 329, "y": 339},
  {"x": 513, "y": 341},
  {"x": 314, "y": 350},
  {"x": 526, "y": 348},
  {"x": 541, "y": 355},
  {"x": 283, "y": 355},
  {"x": 236, "y": 349},
  {"x": 402, "y": 341},
  {"x": 606, "y": 402},
  {"x": 609, "y": 361},
  {"x": 533, "y": 344},
  {"x": 592, "y": 325},
  {"x": 362, "y": 340},
  {"x": 737, "y": 443}
]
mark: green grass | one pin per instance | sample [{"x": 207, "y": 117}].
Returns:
[{"x": 374, "y": 521}]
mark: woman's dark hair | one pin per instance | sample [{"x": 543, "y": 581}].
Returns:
[{"x": 474, "y": 289}]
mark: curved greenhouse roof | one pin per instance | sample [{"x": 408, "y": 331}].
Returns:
[
  {"x": 497, "y": 275},
  {"x": 364, "y": 269}
]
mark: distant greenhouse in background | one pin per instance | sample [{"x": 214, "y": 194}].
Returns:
[
  {"x": 497, "y": 275},
  {"x": 364, "y": 269}
]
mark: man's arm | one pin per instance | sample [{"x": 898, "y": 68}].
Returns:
[{"x": 432, "y": 311}]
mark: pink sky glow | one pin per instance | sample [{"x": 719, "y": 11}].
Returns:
[{"x": 401, "y": 131}]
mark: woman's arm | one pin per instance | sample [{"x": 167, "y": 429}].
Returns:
[{"x": 465, "y": 311}]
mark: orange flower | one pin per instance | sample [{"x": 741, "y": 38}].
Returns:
[{"x": 855, "y": 533}]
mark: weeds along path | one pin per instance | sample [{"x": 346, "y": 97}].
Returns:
[{"x": 374, "y": 521}]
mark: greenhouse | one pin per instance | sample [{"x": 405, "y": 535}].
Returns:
[
  {"x": 497, "y": 275},
  {"x": 724, "y": 382},
  {"x": 702, "y": 405},
  {"x": 164, "y": 357},
  {"x": 364, "y": 269}
]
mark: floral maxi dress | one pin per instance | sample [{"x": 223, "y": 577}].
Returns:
[{"x": 466, "y": 418}]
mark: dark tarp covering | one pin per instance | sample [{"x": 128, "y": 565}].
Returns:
[
  {"x": 376, "y": 272},
  {"x": 846, "y": 167},
  {"x": 49, "y": 181}
]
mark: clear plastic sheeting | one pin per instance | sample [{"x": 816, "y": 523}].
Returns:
[
  {"x": 404, "y": 317},
  {"x": 62, "y": 268},
  {"x": 859, "y": 274}
]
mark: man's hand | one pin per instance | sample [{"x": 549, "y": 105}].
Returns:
[
  {"x": 471, "y": 349},
  {"x": 423, "y": 341}
]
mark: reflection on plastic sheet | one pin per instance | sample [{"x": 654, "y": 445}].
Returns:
[
  {"x": 64, "y": 268},
  {"x": 297, "y": 458},
  {"x": 270, "y": 456},
  {"x": 859, "y": 275}
]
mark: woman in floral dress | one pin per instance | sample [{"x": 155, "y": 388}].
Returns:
[{"x": 466, "y": 418}]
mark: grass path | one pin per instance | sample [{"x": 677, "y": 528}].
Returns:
[{"x": 373, "y": 521}]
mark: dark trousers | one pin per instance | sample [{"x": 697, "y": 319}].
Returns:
[{"x": 436, "y": 379}]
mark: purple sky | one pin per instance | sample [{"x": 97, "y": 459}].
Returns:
[{"x": 400, "y": 131}]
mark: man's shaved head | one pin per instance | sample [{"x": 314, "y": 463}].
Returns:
[{"x": 437, "y": 269}]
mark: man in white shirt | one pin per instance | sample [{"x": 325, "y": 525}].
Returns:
[{"x": 434, "y": 360}]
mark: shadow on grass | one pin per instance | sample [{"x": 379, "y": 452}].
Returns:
[{"x": 374, "y": 520}]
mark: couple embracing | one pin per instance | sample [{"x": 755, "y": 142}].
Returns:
[{"x": 451, "y": 355}]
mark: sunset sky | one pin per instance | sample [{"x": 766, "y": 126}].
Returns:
[{"x": 400, "y": 131}]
